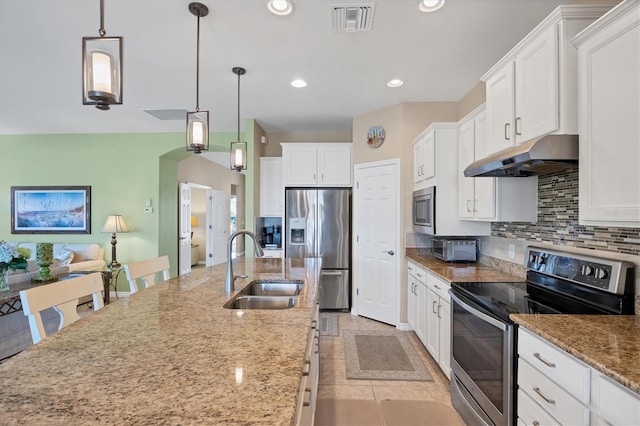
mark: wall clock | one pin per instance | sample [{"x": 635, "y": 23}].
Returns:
[{"x": 375, "y": 136}]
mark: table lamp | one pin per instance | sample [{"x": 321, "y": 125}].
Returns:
[{"x": 114, "y": 224}]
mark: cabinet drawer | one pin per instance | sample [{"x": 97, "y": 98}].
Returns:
[
  {"x": 556, "y": 364},
  {"x": 551, "y": 397},
  {"x": 411, "y": 268},
  {"x": 421, "y": 275},
  {"x": 614, "y": 403},
  {"x": 530, "y": 413},
  {"x": 440, "y": 287}
]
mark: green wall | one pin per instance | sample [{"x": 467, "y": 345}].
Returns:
[{"x": 123, "y": 170}]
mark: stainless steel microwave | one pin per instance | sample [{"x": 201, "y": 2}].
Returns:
[{"x": 424, "y": 210}]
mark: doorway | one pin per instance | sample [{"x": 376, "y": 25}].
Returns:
[{"x": 203, "y": 226}]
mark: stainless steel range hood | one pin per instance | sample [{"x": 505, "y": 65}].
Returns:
[{"x": 547, "y": 154}]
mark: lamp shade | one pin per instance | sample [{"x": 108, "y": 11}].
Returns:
[
  {"x": 238, "y": 156},
  {"x": 198, "y": 131},
  {"x": 102, "y": 71},
  {"x": 115, "y": 224}
]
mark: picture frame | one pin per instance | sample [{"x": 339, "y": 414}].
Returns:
[{"x": 50, "y": 209}]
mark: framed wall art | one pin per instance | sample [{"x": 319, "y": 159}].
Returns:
[{"x": 50, "y": 209}]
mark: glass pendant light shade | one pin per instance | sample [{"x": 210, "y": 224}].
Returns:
[
  {"x": 102, "y": 68},
  {"x": 198, "y": 131},
  {"x": 238, "y": 150},
  {"x": 238, "y": 156}
]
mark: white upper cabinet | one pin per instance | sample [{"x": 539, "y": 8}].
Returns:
[
  {"x": 488, "y": 198},
  {"x": 317, "y": 164},
  {"x": 424, "y": 164},
  {"x": 271, "y": 188},
  {"x": 532, "y": 90},
  {"x": 609, "y": 111},
  {"x": 441, "y": 169}
]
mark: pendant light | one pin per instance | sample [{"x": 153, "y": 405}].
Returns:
[
  {"x": 102, "y": 68},
  {"x": 238, "y": 148},
  {"x": 198, "y": 121}
]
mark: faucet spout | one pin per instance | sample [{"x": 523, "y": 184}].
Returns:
[{"x": 229, "y": 283}]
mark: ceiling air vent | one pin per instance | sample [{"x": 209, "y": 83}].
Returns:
[{"x": 351, "y": 17}]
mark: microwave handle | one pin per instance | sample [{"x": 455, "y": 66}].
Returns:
[{"x": 499, "y": 324}]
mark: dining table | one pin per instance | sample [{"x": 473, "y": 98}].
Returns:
[{"x": 171, "y": 354}]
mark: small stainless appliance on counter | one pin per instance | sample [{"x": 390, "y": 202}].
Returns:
[
  {"x": 455, "y": 249},
  {"x": 317, "y": 224}
]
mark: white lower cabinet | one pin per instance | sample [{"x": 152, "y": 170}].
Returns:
[
  {"x": 439, "y": 322},
  {"x": 556, "y": 388},
  {"x": 308, "y": 392},
  {"x": 429, "y": 313},
  {"x": 417, "y": 300},
  {"x": 273, "y": 253},
  {"x": 612, "y": 403}
]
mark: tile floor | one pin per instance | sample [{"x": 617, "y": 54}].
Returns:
[{"x": 347, "y": 402}]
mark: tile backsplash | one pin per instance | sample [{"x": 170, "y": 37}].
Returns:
[{"x": 558, "y": 220}]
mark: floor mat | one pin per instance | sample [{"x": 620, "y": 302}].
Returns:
[
  {"x": 382, "y": 355},
  {"x": 329, "y": 325}
]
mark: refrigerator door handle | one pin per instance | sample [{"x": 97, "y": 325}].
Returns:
[{"x": 331, "y": 273}]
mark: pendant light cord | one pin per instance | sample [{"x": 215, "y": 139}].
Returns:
[
  {"x": 102, "y": 31},
  {"x": 238, "y": 107},
  {"x": 198, "y": 66}
]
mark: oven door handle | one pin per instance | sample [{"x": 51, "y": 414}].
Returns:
[{"x": 496, "y": 323}]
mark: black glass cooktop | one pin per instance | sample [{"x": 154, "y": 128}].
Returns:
[{"x": 501, "y": 298}]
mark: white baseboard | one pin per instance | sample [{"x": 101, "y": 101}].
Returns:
[{"x": 404, "y": 326}]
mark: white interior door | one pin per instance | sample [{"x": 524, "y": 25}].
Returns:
[
  {"x": 376, "y": 213},
  {"x": 184, "y": 249},
  {"x": 217, "y": 227}
]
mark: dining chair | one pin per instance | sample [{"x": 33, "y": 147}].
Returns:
[
  {"x": 63, "y": 297},
  {"x": 146, "y": 271}
]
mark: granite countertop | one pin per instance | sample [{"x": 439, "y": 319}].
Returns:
[
  {"x": 459, "y": 272},
  {"x": 608, "y": 343},
  {"x": 170, "y": 354}
]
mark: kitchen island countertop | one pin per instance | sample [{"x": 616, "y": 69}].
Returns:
[
  {"x": 608, "y": 343},
  {"x": 170, "y": 354}
]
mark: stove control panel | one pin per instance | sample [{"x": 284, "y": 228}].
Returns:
[{"x": 601, "y": 273}]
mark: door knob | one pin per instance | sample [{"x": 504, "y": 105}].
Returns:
[{"x": 389, "y": 252}]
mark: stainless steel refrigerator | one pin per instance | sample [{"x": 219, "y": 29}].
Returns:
[{"x": 318, "y": 224}]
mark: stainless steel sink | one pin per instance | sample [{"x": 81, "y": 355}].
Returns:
[
  {"x": 261, "y": 302},
  {"x": 273, "y": 288}
]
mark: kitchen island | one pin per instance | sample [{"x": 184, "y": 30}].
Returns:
[
  {"x": 608, "y": 343},
  {"x": 171, "y": 354}
]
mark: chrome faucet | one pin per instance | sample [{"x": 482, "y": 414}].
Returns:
[{"x": 231, "y": 279}]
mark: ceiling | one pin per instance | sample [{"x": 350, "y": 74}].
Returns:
[{"x": 440, "y": 56}]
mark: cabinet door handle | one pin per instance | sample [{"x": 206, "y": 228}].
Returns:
[
  {"x": 433, "y": 308},
  {"x": 544, "y": 361},
  {"x": 546, "y": 398},
  {"x": 518, "y": 123},
  {"x": 439, "y": 306},
  {"x": 475, "y": 205},
  {"x": 436, "y": 286},
  {"x": 322, "y": 177},
  {"x": 536, "y": 423},
  {"x": 307, "y": 363},
  {"x": 468, "y": 208},
  {"x": 506, "y": 131}
]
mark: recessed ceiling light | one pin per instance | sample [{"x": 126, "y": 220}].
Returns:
[
  {"x": 396, "y": 82},
  {"x": 280, "y": 7},
  {"x": 299, "y": 83},
  {"x": 430, "y": 5}
]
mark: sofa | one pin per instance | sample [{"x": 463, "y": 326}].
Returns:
[{"x": 67, "y": 257}]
